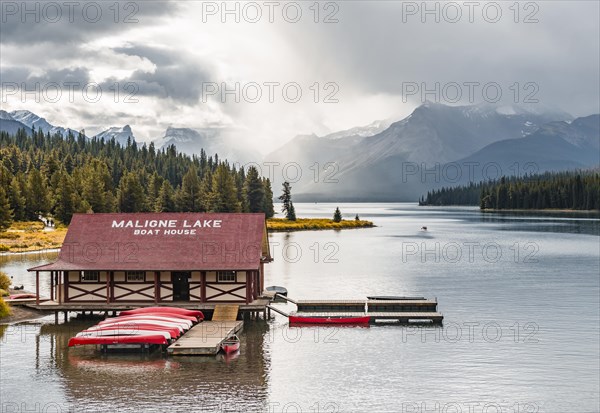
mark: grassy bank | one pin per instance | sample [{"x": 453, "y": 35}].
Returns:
[
  {"x": 30, "y": 236},
  {"x": 308, "y": 224}
]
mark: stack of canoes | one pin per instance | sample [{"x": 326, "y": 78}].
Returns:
[{"x": 142, "y": 326}]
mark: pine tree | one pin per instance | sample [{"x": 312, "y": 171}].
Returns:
[
  {"x": 357, "y": 218},
  {"x": 16, "y": 198},
  {"x": 254, "y": 192},
  {"x": 286, "y": 202},
  {"x": 223, "y": 197},
  {"x": 6, "y": 213},
  {"x": 337, "y": 215},
  {"x": 165, "y": 202},
  {"x": 37, "y": 195},
  {"x": 268, "y": 198},
  {"x": 190, "y": 196},
  {"x": 131, "y": 194},
  {"x": 66, "y": 200}
]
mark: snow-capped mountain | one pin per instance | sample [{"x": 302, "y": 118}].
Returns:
[
  {"x": 120, "y": 135},
  {"x": 9, "y": 124},
  {"x": 361, "y": 131},
  {"x": 32, "y": 120}
]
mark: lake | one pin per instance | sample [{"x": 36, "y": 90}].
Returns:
[{"x": 519, "y": 293}]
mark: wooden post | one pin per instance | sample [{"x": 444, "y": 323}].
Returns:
[
  {"x": 202, "y": 286},
  {"x": 248, "y": 286},
  {"x": 156, "y": 290},
  {"x": 51, "y": 285},
  {"x": 37, "y": 288},
  {"x": 108, "y": 287},
  {"x": 261, "y": 285}
]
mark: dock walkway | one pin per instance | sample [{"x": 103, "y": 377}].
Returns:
[{"x": 204, "y": 338}]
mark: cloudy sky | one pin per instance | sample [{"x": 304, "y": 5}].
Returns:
[{"x": 270, "y": 70}]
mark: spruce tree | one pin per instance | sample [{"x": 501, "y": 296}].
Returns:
[
  {"x": 6, "y": 213},
  {"x": 131, "y": 194},
  {"x": 287, "y": 206},
  {"x": 254, "y": 191},
  {"x": 165, "y": 202},
  {"x": 224, "y": 192},
  {"x": 337, "y": 215}
]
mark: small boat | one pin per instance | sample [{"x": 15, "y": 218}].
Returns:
[
  {"x": 393, "y": 297},
  {"x": 121, "y": 332},
  {"x": 278, "y": 290},
  {"x": 108, "y": 340},
  {"x": 21, "y": 296},
  {"x": 128, "y": 329},
  {"x": 294, "y": 319},
  {"x": 142, "y": 321},
  {"x": 231, "y": 345},
  {"x": 186, "y": 324},
  {"x": 191, "y": 318},
  {"x": 423, "y": 228},
  {"x": 173, "y": 310}
]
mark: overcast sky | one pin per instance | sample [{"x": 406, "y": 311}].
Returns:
[{"x": 360, "y": 61}]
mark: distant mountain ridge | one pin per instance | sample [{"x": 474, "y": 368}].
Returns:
[
  {"x": 392, "y": 165},
  {"x": 121, "y": 135}
]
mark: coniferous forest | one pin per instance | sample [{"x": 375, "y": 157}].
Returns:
[
  {"x": 52, "y": 175},
  {"x": 578, "y": 190}
]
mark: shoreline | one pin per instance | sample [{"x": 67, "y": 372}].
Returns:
[{"x": 20, "y": 314}]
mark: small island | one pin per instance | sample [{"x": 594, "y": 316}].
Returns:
[{"x": 313, "y": 224}]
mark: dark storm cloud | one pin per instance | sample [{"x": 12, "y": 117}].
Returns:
[
  {"x": 74, "y": 22},
  {"x": 559, "y": 52},
  {"x": 174, "y": 76},
  {"x": 75, "y": 78}
]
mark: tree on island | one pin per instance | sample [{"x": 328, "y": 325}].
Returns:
[
  {"x": 286, "y": 200},
  {"x": 337, "y": 215},
  {"x": 357, "y": 218}
]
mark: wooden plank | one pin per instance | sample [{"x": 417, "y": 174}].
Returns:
[{"x": 225, "y": 312}]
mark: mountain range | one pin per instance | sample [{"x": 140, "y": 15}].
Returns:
[
  {"x": 436, "y": 145},
  {"x": 439, "y": 145}
]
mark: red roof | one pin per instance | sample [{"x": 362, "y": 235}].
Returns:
[{"x": 163, "y": 241}]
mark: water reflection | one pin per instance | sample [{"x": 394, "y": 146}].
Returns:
[{"x": 134, "y": 381}]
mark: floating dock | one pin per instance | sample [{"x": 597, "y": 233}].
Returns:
[
  {"x": 205, "y": 338},
  {"x": 406, "y": 311}
]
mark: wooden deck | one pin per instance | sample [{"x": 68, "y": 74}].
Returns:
[
  {"x": 257, "y": 305},
  {"x": 403, "y": 317},
  {"x": 205, "y": 338}
]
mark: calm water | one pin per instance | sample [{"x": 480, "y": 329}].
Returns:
[{"x": 520, "y": 295}]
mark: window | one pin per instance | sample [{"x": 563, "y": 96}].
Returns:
[
  {"x": 226, "y": 276},
  {"x": 136, "y": 276},
  {"x": 90, "y": 276}
]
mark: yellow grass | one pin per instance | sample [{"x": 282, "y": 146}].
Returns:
[
  {"x": 305, "y": 224},
  {"x": 30, "y": 236}
]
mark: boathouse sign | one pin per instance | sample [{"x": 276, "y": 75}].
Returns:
[{"x": 166, "y": 226}]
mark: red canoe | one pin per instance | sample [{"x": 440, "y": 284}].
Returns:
[
  {"x": 21, "y": 296},
  {"x": 329, "y": 320},
  {"x": 135, "y": 328},
  {"x": 172, "y": 310},
  {"x": 231, "y": 345},
  {"x": 191, "y": 318},
  {"x": 141, "y": 339}
]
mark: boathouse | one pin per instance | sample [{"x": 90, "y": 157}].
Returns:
[{"x": 159, "y": 258}]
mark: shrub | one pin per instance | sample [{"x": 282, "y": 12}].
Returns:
[
  {"x": 3, "y": 293},
  {"x": 4, "y": 247},
  {"x": 4, "y": 308},
  {"x": 5, "y": 281},
  {"x": 9, "y": 235}
]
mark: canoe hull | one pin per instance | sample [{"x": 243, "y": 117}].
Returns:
[
  {"x": 172, "y": 310},
  {"x": 330, "y": 320},
  {"x": 114, "y": 340}
]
